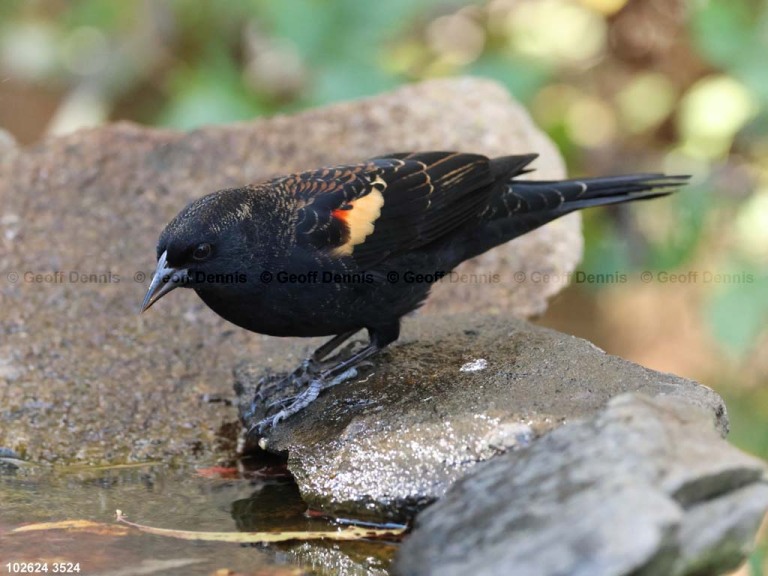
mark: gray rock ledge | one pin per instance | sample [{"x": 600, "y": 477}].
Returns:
[
  {"x": 390, "y": 445},
  {"x": 645, "y": 487}
]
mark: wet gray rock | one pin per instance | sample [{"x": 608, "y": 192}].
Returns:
[
  {"x": 647, "y": 486},
  {"x": 83, "y": 377},
  {"x": 455, "y": 391},
  {"x": 330, "y": 560}
]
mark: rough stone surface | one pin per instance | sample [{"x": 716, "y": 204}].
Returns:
[
  {"x": 390, "y": 445},
  {"x": 329, "y": 560},
  {"x": 7, "y": 141},
  {"x": 82, "y": 376},
  {"x": 645, "y": 487}
]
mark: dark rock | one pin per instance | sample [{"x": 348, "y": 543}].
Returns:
[
  {"x": 82, "y": 376},
  {"x": 9, "y": 461},
  {"x": 390, "y": 445},
  {"x": 645, "y": 487}
]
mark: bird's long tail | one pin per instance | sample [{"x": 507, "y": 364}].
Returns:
[{"x": 524, "y": 205}]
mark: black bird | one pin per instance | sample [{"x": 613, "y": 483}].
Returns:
[{"x": 325, "y": 252}]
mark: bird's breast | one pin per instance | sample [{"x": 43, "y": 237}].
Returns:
[{"x": 291, "y": 304}]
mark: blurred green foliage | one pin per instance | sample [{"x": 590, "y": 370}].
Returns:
[{"x": 732, "y": 36}]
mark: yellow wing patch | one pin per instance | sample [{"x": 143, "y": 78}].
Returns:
[{"x": 359, "y": 216}]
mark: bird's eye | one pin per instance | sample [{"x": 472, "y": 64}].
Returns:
[{"x": 202, "y": 251}]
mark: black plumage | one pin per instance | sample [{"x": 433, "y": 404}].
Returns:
[{"x": 317, "y": 253}]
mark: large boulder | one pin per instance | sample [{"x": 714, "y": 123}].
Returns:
[
  {"x": 83, "y": 377},
  {"x": 646, "y": 486},
  {"x": 456, "y": 391}
]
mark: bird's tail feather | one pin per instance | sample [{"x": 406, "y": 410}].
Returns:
[
  {"x": 561, "y": 197},
  {"x": 525, "y": 205}
]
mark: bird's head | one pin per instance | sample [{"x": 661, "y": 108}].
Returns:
[{"x": 205, "y": 244}]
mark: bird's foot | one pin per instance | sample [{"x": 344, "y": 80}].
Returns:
[
  {"x": 271, "y": 387},
  {"x": 343, "y": 377},
  {"x": 297, "y": 403},
  {"x": 299, "y": 378}
]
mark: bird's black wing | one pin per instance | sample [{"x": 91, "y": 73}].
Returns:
[{"x": 393, "y": 203}]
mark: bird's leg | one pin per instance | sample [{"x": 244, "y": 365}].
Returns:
[
  {"x": 302, "y": 375},
  {"x": 379, "y": 338},
  {"x": 334, "y": 376},
  {"x": 322, "y": 352},
  {"x": 310, "y": 366},
  {"x": 345, "y": 365},
  {"x": 324, "y": 385},
  {"x": 314, "y": 363},
  {"x": 341, "y": 372}
]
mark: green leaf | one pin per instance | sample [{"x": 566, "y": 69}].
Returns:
[
  {"x": 353, "y": 80},
  {"x": 523, "y": 79},
  {"x": 690, "y": 206},
  {"x": 104, "y": 14},
  {"x": 723, "y": 31},
  {"x": 210, "y": 94},
  {"x": 738, "y": 311},
  {"x": 604, "y": 252},
  {"x": 734, "y": 36}
]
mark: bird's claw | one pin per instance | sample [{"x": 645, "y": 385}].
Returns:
[
  {"x": 343, "y": 377},
  {"x": 263, "y": 425},
  {"x": 294, "y": 404},
  {"x": 297, "y": 404}
]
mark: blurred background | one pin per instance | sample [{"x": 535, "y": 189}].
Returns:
[{"x": 619, "y": 85}]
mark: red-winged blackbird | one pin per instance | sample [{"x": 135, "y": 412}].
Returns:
[{"x": 338, "y": 249}]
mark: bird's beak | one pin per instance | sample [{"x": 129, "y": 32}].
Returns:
[{"x": 164, "y": 280}]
